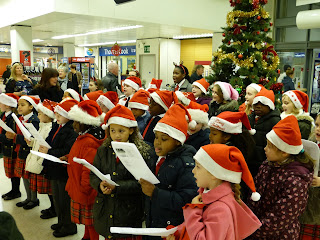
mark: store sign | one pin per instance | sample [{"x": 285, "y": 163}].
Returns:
[
  {"x": 80, "y": 59},
  {"x": 25, "y": 58},
  {"x": 146, "y": 49},
  {"x": 299, "y": 55},
  {"x": 89, "y": 51},
  {"x": 48, "y": 50},
  {"x": 125, "y": 51},
  {"x": 5, "y": 48}
]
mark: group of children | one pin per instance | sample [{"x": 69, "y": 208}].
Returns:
[{"x": 199, "y": 149}]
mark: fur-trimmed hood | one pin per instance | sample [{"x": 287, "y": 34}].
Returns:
[
  {"x": 232, "y": 106},
  {"x": 301, "y": 116}
]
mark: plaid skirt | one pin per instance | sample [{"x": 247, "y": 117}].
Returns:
[
  {"x": 9, "y": 166},
  {"x": 81, "y": 214},
  {"x": 309, "y": 232},
  {"x": 38, "y": 183},
  {"x": 19, "y": 168}
]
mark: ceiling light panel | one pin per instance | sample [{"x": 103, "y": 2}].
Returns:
[
  {"x": 37, "y": 40},
  {"x": 193, "y": 36}
]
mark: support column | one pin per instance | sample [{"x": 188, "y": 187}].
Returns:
[
  {"x": 68, "y": 50},
  {"x": 21, "y": 40},
  {"x": 216, "y": 41}
]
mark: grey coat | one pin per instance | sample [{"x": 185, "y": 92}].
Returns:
[{"x": 185, "y": 87}]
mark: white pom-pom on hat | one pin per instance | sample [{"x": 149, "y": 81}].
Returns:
[
  {"x": 192, "y": 124},
  {"x": 255, "y": 196},
  {"x": 252, "y": 131}
]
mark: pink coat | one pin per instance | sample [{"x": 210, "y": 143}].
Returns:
[{"x": 221, "y": 217}]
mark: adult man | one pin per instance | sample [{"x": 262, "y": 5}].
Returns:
[
  {"x": 110, "y": 81},
  {"x": 75, "y": 77},
  {"x": 196, "y": 73}
]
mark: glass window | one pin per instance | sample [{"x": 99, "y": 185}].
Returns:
[
  {"x": 293, "y": 34},
  {"x": 315, "y": 34},
  {"x": 288, "y": 8}
]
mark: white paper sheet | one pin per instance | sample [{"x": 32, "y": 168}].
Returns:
[
  {"x": 160, "y": 232},
  {"x": 5, "y": 126},
  {"x": 24, "y": 131},
  {"x": 48, "y": 157},
  {"x": 313, "y": 150},
  {"x": 36, "y": 135},
  {"x": 131, "y": 158},
  {"x": 96, "y": 171}
]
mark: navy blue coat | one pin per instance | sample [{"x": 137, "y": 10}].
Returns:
[
  {"x": 149, "y": 137},
  {"x": 288, "y": 84},
  {"x": 7, "y": 145},
  {"x": 142, "y": 121},
  {"x": 199, "y": 139}
]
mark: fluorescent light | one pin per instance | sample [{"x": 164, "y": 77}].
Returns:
[
  {"x": 37, "y": 40},
  {"x": 105, "y": 43},
  {"x": 98, "y": 32},
  {"x": 193, "y": 36}
]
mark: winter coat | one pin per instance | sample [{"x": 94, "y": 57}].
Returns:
[
  {"x": 195, "y": 77},
  {"x": 199, "y": 139},
  {"x": 124, "y": 206},
  {"x": 53, "y": 93},
  {"x": 216, "y": 108},
  {"x": 78, "y": 185},
  {"x": 60, "y": 146},
  {"x": 204, "y": 100},
  {"x": 185, "y": 87},
  {"x": 262, "y": 127},
  {"x": 65, "y": 83},
  {"x": 18, "y": 86},
  {"x": 34, "y": 162},
  {"x": 110, "y": 82},
  {"x": 287, "y": 84},
  {"x": 177, "y": 187},
  {"x": 142, "y": 121},
  {"x": 75, "y": 84},
  {"x": 149, "y": 136},
  {"x": 284, "y": 195},
  {"x": 220, "y": 217},
  {"x": 8, "y": 146}
]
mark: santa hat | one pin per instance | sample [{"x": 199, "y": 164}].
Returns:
[
  {"x": 109, "y": 99},
  {"x": 202, "y": 84},
  {"x": 228, "y": 92},
  {"x": 199, "y": 113},
  {"x": 64, "y": 107},
  {"x": 286, "y": 136},
  {"x": 33, "y": 100},
  {"x": 155, "y": 84},
  {"x": 255, "y": 87},
  {"x": 9, "y": 99},
  {"x": 74, "y": 94},
  {"x": 47, "y": 107},
  {"x": 120, "y": 115},
  {"x": 93, "y": 95},
  {"x": 140, "y": 100},
  {"x": 226, "y": 163},
  {"x": 231, "y": 122},
  {"x": 164, "y": 98},
  {"x": 87, "y": 112},
  {"x": 133, "y": 82},
  {"x": 174, "y": 123},
  {"x": 266, "y": 97},
  {"x": 299, "y": 99},
  {"x": 185, "y": 97}
]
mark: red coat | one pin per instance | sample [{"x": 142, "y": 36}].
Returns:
[{"x": 78, "y": 185}]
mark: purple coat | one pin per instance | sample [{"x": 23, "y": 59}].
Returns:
[
  {"x": 204, "y": 100},
  {"x": 284, "y": 195}
]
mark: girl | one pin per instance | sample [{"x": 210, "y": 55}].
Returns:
[
  {"x": 95, "y": 85},
  {"x": 130, "y": 86},
  {"x": 199, "y": 90},
  {"x": 181, "y": 79},
  {"x": 107, "y": 101},
  {"x": 93, "y": 95},
  {"x": 283, "y": 181},
  {"x": 27, "y": 105},
  {"x": 218, "y": 212},
  {"x": 8, "y": 105},
  {"x": 296, "y": 103},
  {"x": 224, "y": 99},
  {"x": 122, "y": 205},
  {"x": 251, "y": 91},
  {"x": 85, "y": 115},
  {"x": 72, "y": 94}
]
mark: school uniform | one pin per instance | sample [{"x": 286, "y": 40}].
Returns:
[
  {"x": 183, "y": 86},
  {"x": 148, "y": 134},
  {"x": 125, "y": 101},
  {"x": 142, "y": 121},
  {"x": 199, "y": 139}
]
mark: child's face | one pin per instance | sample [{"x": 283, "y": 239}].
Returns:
[
  {"x": 104, "y": 108},
  {"x": 163, "y": 143},
  {"x": 24, "y": 107},
  {"x": 137, "y": 112},
  {"x": 250, "y": 94},
  {"x": 128, "y": 90},
  {"x": 154, "y": 108},
  {"x": 196, "y": 129},
  {"x": 120, "y": 133},
  {"x": 178, "y": 76},
  {"x": 287, "y": 105},
  {"x": 215, "y": 94},
  {"x": 273, "y": 154},
  {"x": 260, "y": 109},
  {"x": 196, "y": 91},
  {"x": 3, "y": 107},
  {"x": 218, "y": 137},
  {"x": 43, "y": 117},
  {"x": 317, "y": 128},
  {"x": 66, "y": 95},
  {"x": 202, "y": 176},
  {"x": 61, "y": 119},
  {"x": 92, "y": 86}
]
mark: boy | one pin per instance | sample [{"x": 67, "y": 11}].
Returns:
[{"x": 130, "y": 86}]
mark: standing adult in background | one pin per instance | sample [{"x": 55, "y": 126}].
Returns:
[
  {"x": 288, "y": 80},
  {"x": 75, "y": 77},
  {"x": 18, "y": 83},
  {"x": 282, "y": 75},
  {"x": 6, "y": 74},
  {"x": 63, "y": 80},
  {"x": 197, "y": 73},
  {"x": 110, "y": 81},
  {"x": 134, "y": 73}
]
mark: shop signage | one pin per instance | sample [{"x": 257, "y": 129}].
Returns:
[
  {"x": 89, "y": 51},
  {"x": 125, "y": 51},
  {"x": 48, "y": 50},
  {"x": 80, "y": 59},
  {"x": 5, "y": 48},
  {"x": 25, "y": 58},
  {"x": 146, "y": 49},
  {"x": 299, "y": 55}
]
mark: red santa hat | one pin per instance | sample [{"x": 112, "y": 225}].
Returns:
[
  {"x": 9, "y": 99},
  {"x": 93, "y": 95},
  {"x": 266, "y": 97},
  {"x": 199, "y": 113},
  {"x": 155, "y": 84},
  {"x": 133, "y": 82},
  {"x": 174, "y": 123},
  {"x": 109, "y": 99},
  {"x": 185, "y": 97},
  {"x": 47, "y": 107},
  {"x": 299, "y": 99},
  {"x": 228, "y": 92},
  {"x": 140, "y": 100},
  {"x": 226, "y": 163},
  {"x": 64, "y": 107},
  {"x": 120, "y": 115},
  {"x": 202, "y": 84},
  {"x": 286, "y": 136},
  {"x": 87, "y": 112},
  {"x": 256, "y": 87},
  {"x": 164, "y": 98},
  {"x": 33, "y": 100},
  {"x": 74, "y": 94},
  {"x": 231, "y": 122}
]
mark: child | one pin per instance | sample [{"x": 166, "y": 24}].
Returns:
[
  {"x": 130, "y": 86},
  {"x": 296, "y": 103},
  {"x": 263, "y": 118},
  {"x": 93, "y": 95},
  {"x": 283, "y": 181},
  {"x": 61, "y": 139},
  {"x": 139, "y": 105},
  {"x": 218, "y": 212},
  {"x": 199, "y": 90},
  {"x": 72, "y": 94},
  {"x": 85, "y": 115},
  {"x": 185, "y": 98},
  {"x": 160, "y": 102},
  {"x": 181, "y": 79},
  {"x": 251, "y": 91},
  {"x": 154, "y": 85},
  {"x": 107, "y": 101},
  {"x": 173, "y": 169},
  {"x": 95, "y": 85},
  {"x": 121, "y": 205},
  {"x": 224, "y": 98},
  {"x": 8, "y": 105},
  {"x": 26, "y": 107}
]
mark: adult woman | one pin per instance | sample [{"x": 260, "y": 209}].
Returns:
[
  {"x": 63, "y": 79},
  {"x": 18, "y": 83},
  {"x": 48, "y": 87}
]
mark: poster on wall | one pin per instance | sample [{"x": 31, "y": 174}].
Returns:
[
  {"x": 25, "y": 58},
  {"x": 130, "y": 63}
]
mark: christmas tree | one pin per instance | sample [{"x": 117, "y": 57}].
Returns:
[{"x": 246, "y": 54}]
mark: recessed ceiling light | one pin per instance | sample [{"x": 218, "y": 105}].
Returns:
[
  {"x": 105, "y": 43},
  {"x": 193, "y": 36},
  {"x": 37, "y": 40}
]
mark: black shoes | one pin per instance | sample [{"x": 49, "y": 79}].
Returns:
[
  {"x": 48, "y": 213},
  {"x": 31, "y": 204},
  {"x": 65, "y": 231},
  {"x": 11, "y": 195},
  {"x": 23, "y": 203},
  {"x": 55, "y": 226},
  {"x": 6, "y": 194}
]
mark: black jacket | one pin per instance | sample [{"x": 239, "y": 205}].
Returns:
[
  {"x": 110, "y": 82},
  {"x": 287, "y": 84},
  {"x": 53, "y": 93},
  {"x": 199, "y": 139},
  {"x": 149, "y": 137},
  {"x": 6, "y": 74},
  {"x": 216, "y": 108},
  {"x": 8, "y": 147},
  {"x": 195, "y": 77}
]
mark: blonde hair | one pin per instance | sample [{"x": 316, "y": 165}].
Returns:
[
  {"x": 295, "y": 110},
  {"x": 13, "y": 71},
  {"x": 236, "y": 188},
  {"x": 220, "y": 94}
]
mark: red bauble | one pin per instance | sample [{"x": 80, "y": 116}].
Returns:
[
  {"x": 223, "y": 34},
  {"x": 240, "y": 56},
  {"x": 268, "y": 80},
  {"x": 258, "y": 32},
  {"x": 259, "y": 17},
  {"x": 229, "y": 43},
  {"x": 271, "y": 24},
  {"x": 266, "y": 29}
]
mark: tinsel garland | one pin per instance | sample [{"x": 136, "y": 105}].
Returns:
[{"x": 234, "y": 14}]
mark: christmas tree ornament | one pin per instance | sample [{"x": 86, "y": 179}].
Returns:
[
  {"x": 271, "y": 24},
  {"x": 266, "y": 29},
  {"x": 258, "y": 32},
  {"x": 223, "y": 34},
  {"x": 258, "y": 17},
  {"x": 240, "y": 56}
]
